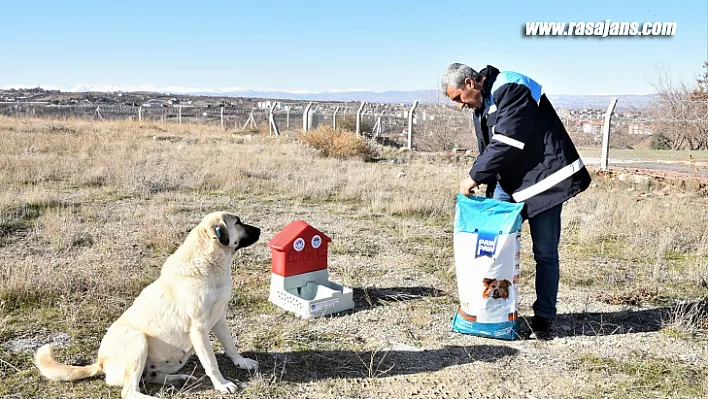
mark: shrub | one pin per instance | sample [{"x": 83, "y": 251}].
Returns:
[
  {"x": 336, "y": 143},
  {"x": 659, "y": 141},
  {"x": 262, "y": 129}
]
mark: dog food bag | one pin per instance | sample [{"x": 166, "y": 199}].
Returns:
[{"x": 487, "y": 239}]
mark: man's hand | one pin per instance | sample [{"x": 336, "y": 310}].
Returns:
[{"x": 467, "y": 185}]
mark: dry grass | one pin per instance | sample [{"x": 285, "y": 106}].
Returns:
[
  {"x": 78, "y": 193},
  {"x": 631, "y": 244},
  {"x": 337, "y": 143},
  {"x": 89, "y": 212},
  {"x": 689, "y": 318}
]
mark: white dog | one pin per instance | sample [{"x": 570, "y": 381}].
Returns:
[{"x": 172, "y": 317}]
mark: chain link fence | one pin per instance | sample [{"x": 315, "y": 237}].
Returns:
[{"x": 435, "y": 127}]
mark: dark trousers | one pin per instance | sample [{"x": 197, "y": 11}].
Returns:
[{"x": 545, "y": 236}]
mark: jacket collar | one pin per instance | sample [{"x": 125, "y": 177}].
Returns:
[{"x": 490, "y": 73}]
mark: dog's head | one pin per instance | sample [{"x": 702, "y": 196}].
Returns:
[
  {"x": 490, "y": 284},
  {"x": 227, "y": 230},
  {"x": 503, "y": 289},
  {"x": 495, "y": 288}
]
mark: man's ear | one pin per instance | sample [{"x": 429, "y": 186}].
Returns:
[
  {"x": 222, "y": 233},
  {"x": 474, "y": 84}
]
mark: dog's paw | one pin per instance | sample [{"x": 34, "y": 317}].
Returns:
[
  {"x": 246, "y": 363},
  {"x": 228, "y": 387}
]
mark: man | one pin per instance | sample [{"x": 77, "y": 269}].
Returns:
[{"x": 526, "y": 156}]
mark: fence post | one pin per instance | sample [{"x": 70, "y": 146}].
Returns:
[
  {"x": 140, "y": 113},
  {"x": 377, "y": 125},
  {"x": 305, "y": 117},
  {"x": 604, "y": 161},
  {"x": 250, "y": 120},
  {"x": 179, "y": 117},
  {"x": 410, "y": 125},
  {"x": 222, "y": 118},
  {"x": 334, "y": 118},
  {"x": 358, "y": 118},
  {"x": 273, "y": 126},
  {"x": 97, "y": 112},
  {"x": 287, "y": 116}
]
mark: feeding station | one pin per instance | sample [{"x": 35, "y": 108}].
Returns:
[{"x": 299, "y": 277}]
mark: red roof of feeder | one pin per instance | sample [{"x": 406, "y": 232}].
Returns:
[{"x": 291, "y": 232}]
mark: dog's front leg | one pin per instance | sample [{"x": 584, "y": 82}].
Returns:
[
  {"x": 205, "y": 352},
  {"x": 221, "y": 330}
]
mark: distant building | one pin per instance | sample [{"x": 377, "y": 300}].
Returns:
[
  {"x": 154, "y": 103},
  {"x": 268, "y": 104},
  {"x": 592, "y": 127},
  {"x": 640, "y": 128}
]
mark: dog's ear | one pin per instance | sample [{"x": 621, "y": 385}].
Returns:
[
  {"x": 487, "y": 281},
  {"x": 222, "y": 233}
]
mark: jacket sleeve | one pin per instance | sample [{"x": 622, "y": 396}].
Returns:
[
  {"x": 491, "y": 182},
  {"x": 481, "y": 144},
  {"x": 516, "y": 113}
]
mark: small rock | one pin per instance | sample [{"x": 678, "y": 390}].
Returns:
[
  {"x": 59, "y": 340},
  {"x": 401, "y": 174}
]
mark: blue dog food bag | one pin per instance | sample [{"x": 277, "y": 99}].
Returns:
[{"x": 487, "y": 240}]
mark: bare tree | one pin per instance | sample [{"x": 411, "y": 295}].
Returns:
[
  {"x": 681, "y": 111},
  {"x": 443, "y": 132}
]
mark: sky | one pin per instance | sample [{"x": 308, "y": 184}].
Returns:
[{"x": 317, "y": 46}]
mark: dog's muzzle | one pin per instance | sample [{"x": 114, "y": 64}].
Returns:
[{"x": 248, "y": 235}]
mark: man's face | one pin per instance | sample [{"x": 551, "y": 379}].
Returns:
[{"x": 466, "y": 97}]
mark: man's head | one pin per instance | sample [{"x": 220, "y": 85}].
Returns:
[{"x": 463, "y": 85}]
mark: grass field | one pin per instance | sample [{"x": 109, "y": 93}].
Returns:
[
  {"x": 646, "y": 155},
  {"x": 89, "y": 212}
]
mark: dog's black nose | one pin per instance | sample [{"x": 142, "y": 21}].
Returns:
[
  {"x": 256, "y": 233},
  {"x": 248, "y": 236}
]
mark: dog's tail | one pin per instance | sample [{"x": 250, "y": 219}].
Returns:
[{"x": 56, "y": 371}]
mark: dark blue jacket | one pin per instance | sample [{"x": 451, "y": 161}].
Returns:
[{"x": 523, "y": 144}]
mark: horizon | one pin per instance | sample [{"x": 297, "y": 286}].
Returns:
[
  {"x": 364, "y": 46},
  {"x": 97, "y": 88}
]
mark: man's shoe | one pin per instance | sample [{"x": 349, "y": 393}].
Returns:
[{"x": 541, "y": 328}]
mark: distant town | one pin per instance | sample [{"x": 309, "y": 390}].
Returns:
[{"x": 579, "y": 119}]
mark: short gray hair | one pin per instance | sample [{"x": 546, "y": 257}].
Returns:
[{"x": 455, "y": 76}]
